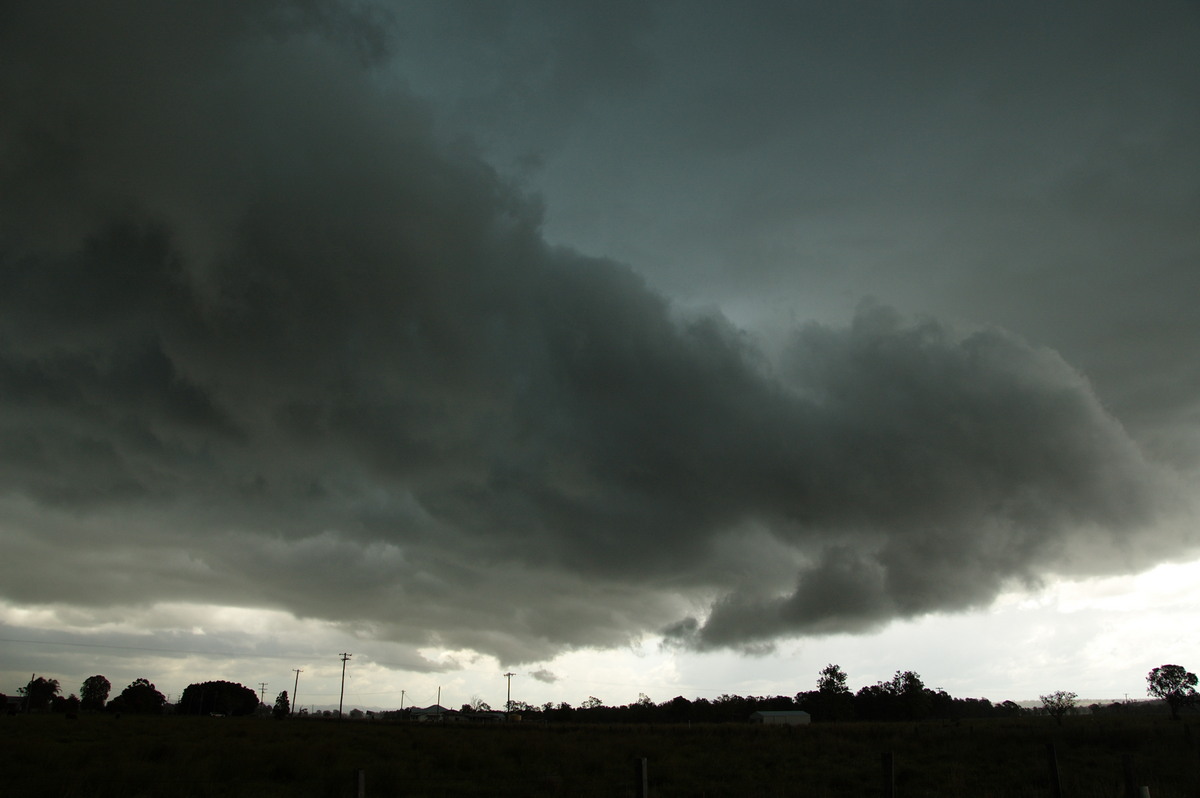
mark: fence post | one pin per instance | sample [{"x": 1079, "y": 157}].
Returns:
[
  {"x": 1055, "y": 781},
  {"x": 641, "y": 777},
  {"x": 889, "y": 774},
  {"x": 1131, "y": 790},
  {"x": 362, "y": 784}
]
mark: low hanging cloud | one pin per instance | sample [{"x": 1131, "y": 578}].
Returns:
[
  {"x": 544, "y": 676},
  {"x": 266, "y": 340}
]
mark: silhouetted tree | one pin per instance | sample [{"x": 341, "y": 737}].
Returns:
[
  {"x": 728, "y": 707},
  {"x": 832, "y": 681},
  {"x": 677, "y": 710},
  {"x": 946, "y": 707},
  {"x": 874, "y": 702},
  {"x": 1173, "y": 684},
  {"x": 1058, "y": 703},
  {"x": 94, "y": 692},
  {"x": 39, "y": 693},
  {"x": 282, "y": 707},
  {"x": 221, "y": 698},
  {"x": 912, "y": 698},
  {"x": 833, "y": 700},
  {"x": 1011, "y": 708},
  {"x": 903, "y": 697},
  {"x": 140, "y": 697}
]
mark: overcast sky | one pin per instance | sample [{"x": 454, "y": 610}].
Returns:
[{"x": 664, "y": 347}]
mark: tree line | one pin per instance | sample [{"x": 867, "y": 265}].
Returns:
[
  {"x": 904, "y": 697},
  {"x": 141, "y": 697},
  {"x": 42, "y": 695}
]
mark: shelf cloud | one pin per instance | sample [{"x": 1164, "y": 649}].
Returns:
[{"x": 270, "y": 337}]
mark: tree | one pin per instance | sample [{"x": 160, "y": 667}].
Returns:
[
  {"x": 1173, "y": 684},
  {"x": 591, "y": 702},
  {"x": 65, "y": 704},
  {"x": 282, "y": 707},
  {"x": 833, "y": 700},
  {"x": 1010, "y": 708},
  {"x": 913, "y": 697},
  {"x": 678, "y": 709},
  {"x": 140, "y": 697},
  {"x": 874, "y": 702},
  {"x": 832, "y": 681},
  {"x": 39, "y": 693},
  {"x": 1058, "y": 703},
  {"x": 217, "y": 698},
  {"x": 94, "y": 692}
]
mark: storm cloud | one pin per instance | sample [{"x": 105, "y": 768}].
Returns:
[{"x": 270, "y": 338}]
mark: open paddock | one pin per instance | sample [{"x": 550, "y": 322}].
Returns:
[{"x": 100, "y": 756}]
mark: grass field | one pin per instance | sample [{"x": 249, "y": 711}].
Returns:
[{"x": 99, "y": 755}]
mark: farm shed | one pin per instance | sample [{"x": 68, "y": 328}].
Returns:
[{"x": 790, "y": 718}]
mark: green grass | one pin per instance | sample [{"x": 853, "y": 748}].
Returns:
[{"x": 98, "y": 756}]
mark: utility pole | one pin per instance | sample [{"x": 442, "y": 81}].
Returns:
[
  {"x": 262, "y": 692},
  {"x": 295, "y": 686},
  {"x": 344, "y": 657},
  {"x": 401, "y": 700},
  {"x": 508, "y": 703}
]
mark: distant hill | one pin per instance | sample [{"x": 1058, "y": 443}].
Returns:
[{"x": 1084, "y": 703}]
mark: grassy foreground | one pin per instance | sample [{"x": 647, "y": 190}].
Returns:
[{"x": 99, "y": 755}]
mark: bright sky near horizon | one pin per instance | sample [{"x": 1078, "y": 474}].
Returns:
[{"x": 631, "y": 347}]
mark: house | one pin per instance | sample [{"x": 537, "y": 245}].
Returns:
[
  {"x": 788, "y": 718},
  {"x": 432, "y": 713}
]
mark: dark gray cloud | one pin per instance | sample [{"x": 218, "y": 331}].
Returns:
[
  {"x": 1029, "y": 166},
  {"x": 271, "y": 337},
  {"x": 543, "y": 675}
]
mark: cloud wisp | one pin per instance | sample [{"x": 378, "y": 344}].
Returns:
[{"x": 266, "y": 340}]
